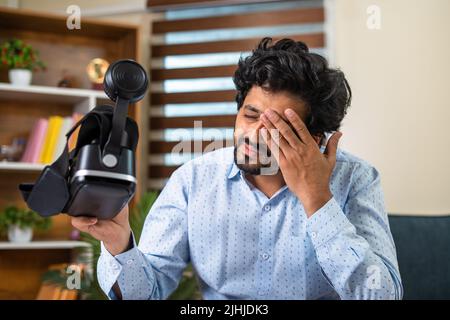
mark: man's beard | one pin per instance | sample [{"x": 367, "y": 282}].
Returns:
[{"x": 251, "y": 165}]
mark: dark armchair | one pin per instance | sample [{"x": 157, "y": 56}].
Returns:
[{"x": 423, "y": 250}]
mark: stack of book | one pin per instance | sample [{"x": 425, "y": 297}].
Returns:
[{"x": 48, "y": 138}]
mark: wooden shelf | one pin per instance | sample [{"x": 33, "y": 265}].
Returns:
[
  {"x": 20, "y": 166},
  {"x": 48, "y": 94},
  {"x": 5, "y": 245}
]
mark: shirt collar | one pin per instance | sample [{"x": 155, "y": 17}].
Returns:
[{"x": 234, "y": 170}]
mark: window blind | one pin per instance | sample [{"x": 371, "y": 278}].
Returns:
[{"x": 194, "y": 54}]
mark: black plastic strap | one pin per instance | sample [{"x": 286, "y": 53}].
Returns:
[{"x": 113, "y": 145}]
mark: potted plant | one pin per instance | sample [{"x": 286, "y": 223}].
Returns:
[
  {"x": 19, "y": 223},
  {"x": 21, "y": 60}
]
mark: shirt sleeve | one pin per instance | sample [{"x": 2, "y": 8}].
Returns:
[
  {"x": 152, "y": 269},
  {"x": 354, "y": 245}
]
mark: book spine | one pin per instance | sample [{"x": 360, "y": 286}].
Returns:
[
  {"x": 38, "y": 140},
  {"x": 26, "y": 157},
  {"x": 61, "y": 139},
  {"x": 56, "y": 130}
]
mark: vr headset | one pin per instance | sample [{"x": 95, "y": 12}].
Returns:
[{"x": 97, "y": 178}]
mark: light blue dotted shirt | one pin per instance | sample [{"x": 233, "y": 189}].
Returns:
[{"x": 244, "y": 245}]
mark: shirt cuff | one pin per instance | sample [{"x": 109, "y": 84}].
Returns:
[
  {"x": 109, "y": 267},
  {"x": 326, "y": 223}
]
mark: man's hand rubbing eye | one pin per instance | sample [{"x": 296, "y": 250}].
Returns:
[{"x": 305, "y": 169}]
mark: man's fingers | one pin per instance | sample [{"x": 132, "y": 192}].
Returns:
[
  {"x": 266, "y": 137},
  {"x": 275, "y": 136},
  {"x": 99, "y": 229},
  {"x": 271, "y": 117},
  {"x": 332, "y": 144},
  {"x": 299, "y": 126},
  {"x": 83, "y": 223},
  {"x": 271, "y": 143}
]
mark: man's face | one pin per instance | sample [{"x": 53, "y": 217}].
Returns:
[{"x": 250, "y": 152}]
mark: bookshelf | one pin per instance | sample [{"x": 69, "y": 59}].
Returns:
[
  {"x": 20, "y": 166},
  {"x": 8, "y": 91},
  {"x": 83, "y": 100},
  {"x": 65, "y": 52},
  {"x": 36, "y": 245}
]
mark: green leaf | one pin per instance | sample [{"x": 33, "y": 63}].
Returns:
[
  {"x": 24, "y": 218},
  {"x": 17, "y": 54}
]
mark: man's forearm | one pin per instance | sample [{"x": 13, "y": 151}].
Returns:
[{"x": 348, "y": 260}]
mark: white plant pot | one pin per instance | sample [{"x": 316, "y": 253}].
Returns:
[
  {"x": 20, "y": 77},
  {"x": 18, "y": 235}
]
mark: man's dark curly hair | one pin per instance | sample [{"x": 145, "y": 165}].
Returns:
[{"x": 287, "y": 65}]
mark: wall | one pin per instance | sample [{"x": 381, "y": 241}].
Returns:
[{"x": 399, "y": 116}]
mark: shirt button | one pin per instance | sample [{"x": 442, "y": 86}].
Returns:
[
  {"x": 265, "y": 256},
  {"x": 129, "y": 262},
  {"x": 267, "y": 208},
  {"x": 313, "y": 235}
]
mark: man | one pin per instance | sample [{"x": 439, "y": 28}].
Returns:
[{"x": 312, "y": 226}]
